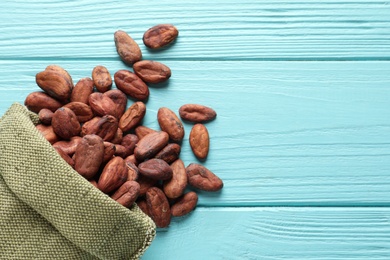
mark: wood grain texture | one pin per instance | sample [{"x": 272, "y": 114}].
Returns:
[
  {"x": 276, "y": 233},
  {"x": 222, "y": 30},
  {"x": 287, "y": 133}
]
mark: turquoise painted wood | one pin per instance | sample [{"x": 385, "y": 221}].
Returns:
[{"x": 302, "y": 95}]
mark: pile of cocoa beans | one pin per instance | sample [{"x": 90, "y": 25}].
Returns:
[{"x": 91, "y": 128}]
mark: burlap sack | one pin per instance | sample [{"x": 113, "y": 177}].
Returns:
[{"x": 48, "y": 211}]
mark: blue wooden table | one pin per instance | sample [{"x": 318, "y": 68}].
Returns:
[{"x": 302, "y": 92}]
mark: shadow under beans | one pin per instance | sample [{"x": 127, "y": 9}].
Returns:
[{"x": 161, "y": 85}]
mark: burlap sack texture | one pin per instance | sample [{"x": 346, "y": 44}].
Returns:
[{"x": 48, "y": 211}]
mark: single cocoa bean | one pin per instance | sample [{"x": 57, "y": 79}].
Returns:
[
  {"x": 197, "y": 113},
  {"x": 82, "y": 90},
  {"x": 130, "y": 84},
  {"x": 174, "y": 187},
  {"x": 158, "y": 207},
  {"x": 69, "y": 147},
  {"x": 105, "y": 127},
  {"x": 118, "y": 137},
  {"x": 185, "y": 204},
  {"x": 152, "y": 71},
  {"x": 109, "y": 151},
  {"x": 101, "y": 79},
  {"x": 88, "y": 156},
  {"x": 127, "y": 194},
  {"x": 199, "y": 141},
  {"x": 160, "y": 35},
  {"x": 48, "y": 133},
  {"x": 150, "y": 145},
  {"x": 155, "y": 169},
  {"x": 114, "y": 174},
  {"x": 120, "y": 101},
  {"x": 202, "y": 178},
  {"x": 102, "y": 105},
  {"x": 169, "y": 153},
  {"x": 45, "y": 115},
  {"x": 141, "y": 131},
  {"x": 65, "y": 123},
  {"x": 54, "y": 84},
  {"x": 36, "y": 101},
  {"x": 83, "y": 111},
  {"x": 61, "y": 71},
  {"x": 171, "y": 124},
  {"x": 130, "y": 141},
  {"x": 133, "y": 116},
  {"x": 127, "y": 48}
]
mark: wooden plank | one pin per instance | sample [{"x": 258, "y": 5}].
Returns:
[
  {"x": 224, "y": 30},
  {"x": 276, "y": 233},
  {"x": 287, "y": 133}
]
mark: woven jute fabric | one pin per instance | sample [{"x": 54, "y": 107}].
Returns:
[{"x": 48, "y": 211}]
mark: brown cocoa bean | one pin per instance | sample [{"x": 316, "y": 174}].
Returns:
[
  {"x": 83, "y": 111},
  {"x": 36, "y": 101},
  {"x": 102, "y": 105},
  {"x": 202, "y": 178},
  {"x": 82, "y": 90},
  {"x": 130, "y": 84},
  {"x": 145, "y": 183},
  {"x": 133, "y": 116},
  {"x": 114, "y": 174},
  {"x": 65, "y": 123},
  {"x": 158, "y": 207},
  {"x": 105, "y": 127},
  {"x": 197, "y": 113},
  {"x": 160, "y": 35},
  {"x": 65, "y": 156},
  {"x": 185, "y": 204},
  {"x": 69, "y": 147},
  {"x": 48, "y": 133},
  {"x": 130, "y": 141},
  {"x": 127, "y": 194},
  {"x": 118, "y": 137},
  {"x": 141, "y": 131},
  {"x": 121, "y": 151},
  {"x": 127, "y": 48},
  {"x": 45, "y": 115},
  {"x": 61, "y": 71},
  {"x": 132, "y": 171},
  {"x": 54, "y": 84},
  {"x": 174, "y": 187},
  {"x": 155, "y": 169},
  {"x": 109, "y": 151},
  {"x": 152, "y": 71},
  {"x": 88, "y": 156},
  {"x": 171, "y": 124},
  {"x": 199, "y": 141},
  {"x": 120, "y": 101},
  {"x": 101, "y": 79},
  {"x": 150, "y": 145},
  {"x": 169, "y": 153}
]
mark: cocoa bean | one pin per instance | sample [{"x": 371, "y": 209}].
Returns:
[
  {"x": 127, "y": 194},
  {"x": 45, "y": 115},
  {"x": 197, "y": 113},
  {"x": 152, "y": 71},
  {"x": 65, "y": 123},
  {"x": 114, "y": 174},
  {"x": 130, "y": 141},
  {"x": 171, "y": 124},
  {"x": 48, "y": 133},
  {"x": 133, "y": 116},
  {"x": 169, "y": 153},
  {"x": 155, "y": 169},
  {"x": 101, "y": 79},
  {"x": 69, "y": 147},
  {"x": 185, "y": 204},
  {"x": 127, "y": 48},
  {"x": 105, "y": 127},
  {"x": 130, "y": 84},
  {"x": 82, "y": 90},
  {"x": 83, "y": 111},
  {"x": 158, "y": 207},
  {"x": 150, "y": 145},
  {"x": 202, "y": 178},
  {"x": 89, "y": 156},
  {"x": 141, "y": 131},
  {"x": 174, "y": 187},
  {"x": 199, "y": 141},
  {"x": 36, "y": 101},
  {"x": 160, "y": 35},
  {"x": 54, "y": 84}
]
